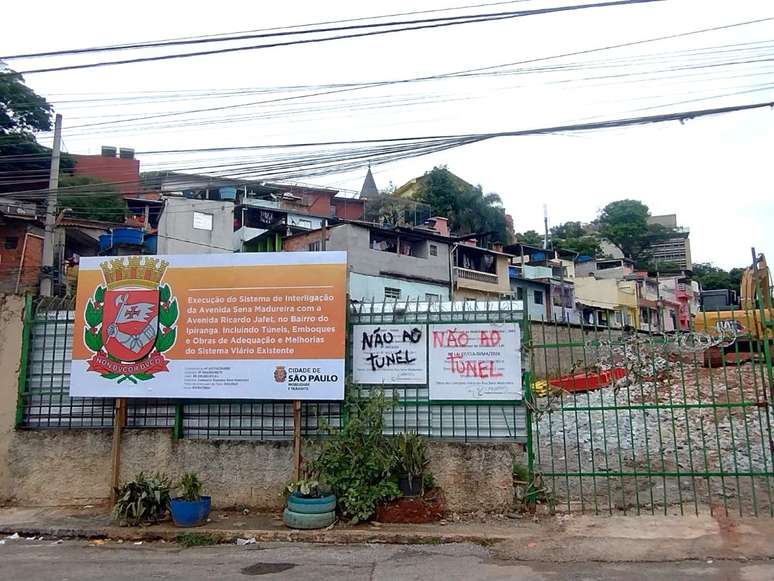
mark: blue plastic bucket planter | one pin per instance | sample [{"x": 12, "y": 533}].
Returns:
[{"x": 190, "y": 513}]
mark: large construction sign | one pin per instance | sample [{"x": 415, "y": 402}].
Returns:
[{"x": 251, "y": 326}]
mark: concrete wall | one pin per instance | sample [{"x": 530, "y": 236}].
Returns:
[
  {"x": 473, "y": 476},
  {"x": 365, "y": 288},
  {"x": 537, "y": 311},
  {"x": 11, "y": 323},
  {"x": 66, "y": 467},
  {"x": 178, "y": 236},
  {"x": 234, "y": 472},
  {"x": 364, "y": 260}
]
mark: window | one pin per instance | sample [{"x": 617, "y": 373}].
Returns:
[
  {"x": 432, "y": 298},
  {"x": 520, "y": 294},
  {"x": 391, "y": 293},
  {"x": 538, "y": 297},
  {"x": 315, "y": 246},
  {"x": 11, "y": 242},
  {"x": 202, "y": 221},
  {"x": 433, "y": 250}
]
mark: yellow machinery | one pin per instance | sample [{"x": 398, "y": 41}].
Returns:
[{"x": 746, "y": 322}]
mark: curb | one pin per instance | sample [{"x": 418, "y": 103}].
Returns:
[{"x": 337, "y": 537}]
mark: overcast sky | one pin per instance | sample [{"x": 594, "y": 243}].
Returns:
[{"x": 713, "y": 172}]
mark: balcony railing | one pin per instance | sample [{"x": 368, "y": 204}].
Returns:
[{"x": 476, "y": 275}]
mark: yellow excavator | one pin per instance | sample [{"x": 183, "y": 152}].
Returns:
[{"x": 752, "y": 322}]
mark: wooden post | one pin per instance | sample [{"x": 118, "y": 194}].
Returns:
[
  {"x": 119, "y": 421},
  {"x": 296, "y": 439}
]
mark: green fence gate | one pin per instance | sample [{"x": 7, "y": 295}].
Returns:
[{"x": 683, "y": 426}]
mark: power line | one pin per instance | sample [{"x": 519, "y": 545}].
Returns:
[
  {"x": 446, "y": 22},
  {"x": 146, "y": 44},
  {"x": 224, "y": 37},
  {"x": 415, "y": 147},
  {"x": 448, "y": 75}
]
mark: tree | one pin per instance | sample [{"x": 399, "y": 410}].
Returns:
[
  {"x": 24, "y": 163},
  {"x": 712, "y": 277},
  {"x": 91, "y": 198},
  {"x": 530, "y": 238},
  {"x": 625, "y": 224},
  {"x": 468, "y": 209},
  {"x": 575, "y": 237},
  {"x": 386, "y": 208}
]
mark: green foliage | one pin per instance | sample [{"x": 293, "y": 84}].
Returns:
[
  {"x": 625, "y": 224},
  {"x": 191, "y": 485},
  {"x": 394, "y": 210},
  {"x": 189, "y": 540},
  {"x": 712, "y": 277},
  {"x": 21, "y": 109},
  {"x": 520, "y": 472},
  {"x": 530, "y": 238},
  {"x": 411, "y": 457},
  {"x": 22, "y": 112},
  {"x": 307, "y": 488},
  {"x": 468, "y": 209},
  {"x": 575, "y": 237},
  {"x": 91, "y": 198},
  {"x": 357, "y": 460},
  {"x": 142, "y": 500}
]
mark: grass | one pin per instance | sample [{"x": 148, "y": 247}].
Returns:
[{"x": 188, "y": 540}]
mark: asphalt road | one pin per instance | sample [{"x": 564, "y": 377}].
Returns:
[{"x": 77, "y": 560}]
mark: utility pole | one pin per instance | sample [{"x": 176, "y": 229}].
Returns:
[
  {"x": 47, "y": 283},
  {"x": 545, "y": 226}
]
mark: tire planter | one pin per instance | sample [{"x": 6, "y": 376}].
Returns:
[
  {"x": 300, "y": 520},
  {"x": 190, "y": 513},
  {"x": 304, "y": 505}
]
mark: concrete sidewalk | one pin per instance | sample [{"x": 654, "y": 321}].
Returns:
[{"x": 565, "y": 538}]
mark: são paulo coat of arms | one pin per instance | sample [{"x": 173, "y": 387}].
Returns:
[{"x": 130, "y": 320}]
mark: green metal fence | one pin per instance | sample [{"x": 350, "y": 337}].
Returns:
[
  {"x": 684, "y": 427},
  {"x": 44, "y": 400},
  {"x": 457, "y": 420}
]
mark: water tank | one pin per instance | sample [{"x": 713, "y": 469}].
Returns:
[
  {"x": 105, "y": 242},
  {"x": 150, "y": 245},
  {"x": 130, "y": 236}
]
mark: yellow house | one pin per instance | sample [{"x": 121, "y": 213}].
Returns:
[
  {"x": 608, "y": 301},
  {"x": 627, "y": 299},
  {"x": 480, "y": 273}
]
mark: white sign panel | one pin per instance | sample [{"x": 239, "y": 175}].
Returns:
[
  {"x": 479, "y": 361},
  {"x": 389, "y": 354},
  {"x": 264, "y": 325}
]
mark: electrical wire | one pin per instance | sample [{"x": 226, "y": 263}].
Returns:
[
  {"x": 446, "y": 23},
  {"x": 384, "y": 150}
]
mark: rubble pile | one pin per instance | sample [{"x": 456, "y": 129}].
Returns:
[{"x": 668, "y": 414}]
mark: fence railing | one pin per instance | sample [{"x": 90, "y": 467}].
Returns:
[{"x": 44, "y": 400}]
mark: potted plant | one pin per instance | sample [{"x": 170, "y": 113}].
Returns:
[
  {"x": 191, "y": 508},
  {"x": 310, "y": 504},
  {"x": 411, "y": 464},
  {"x": 144, "y": 500}
]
